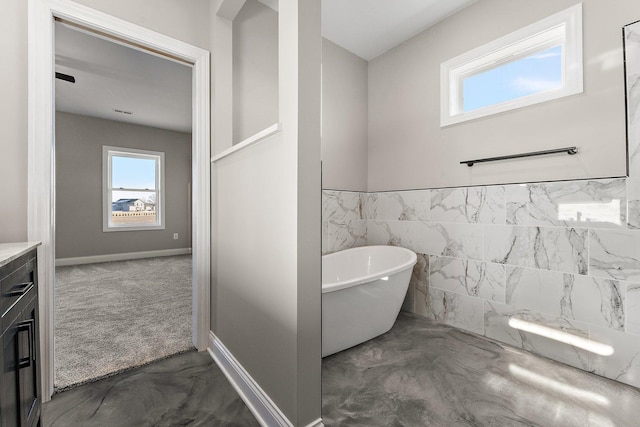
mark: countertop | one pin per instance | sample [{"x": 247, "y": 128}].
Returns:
[{"x": 11, "y": 251}]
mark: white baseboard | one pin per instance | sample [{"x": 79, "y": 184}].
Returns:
[
  {"x": 261, "y": 406},
  {"x": 121, "y": 257}
]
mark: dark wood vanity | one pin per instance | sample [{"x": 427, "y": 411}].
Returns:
[{"x": 20, "y": 388}]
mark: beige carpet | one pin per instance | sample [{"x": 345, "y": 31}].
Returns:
[{"x": 112, "y": 316}]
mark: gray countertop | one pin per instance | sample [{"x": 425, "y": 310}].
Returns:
[{"x": 11, "y": 251}]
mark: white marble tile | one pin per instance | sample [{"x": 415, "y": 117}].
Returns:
[
  {"x": 624, "y": 364},
  {"x": 468, "y": 277},
  {"x": 369, "y": 205},
  {"x": 615, "y": 254},
  {"x": 633, "y": 203},
  {"x": 346, "y": 234},
  {"x": 632, "y": 72},
  {"x": 634, "y": 149},
  {"x": 455, "y": 240},
  {"x": 599, "y": 301},
  {"x": 483, "y": 205},
  {"x": 341, "y": 205},
  {"x": 537, "y": 290},
  {"x": 548, "y": 248},
  {"x": 496, "y": 320},
  {"x": 587, "y": 299},
  {"x": 632, "y": 325},
  {"x": 457, "y": 310},
  {"x": 411, "y": 205},
  {"x": 325, "y": 237},
  {"x": 418, "y": 284},
  {"x": 594, "y": 204},
  {"x": 632, "y": 54},
  {"x": 408, "y": 234}
]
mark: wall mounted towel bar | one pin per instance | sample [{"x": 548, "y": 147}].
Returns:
[{"x": 568, "y": 150}]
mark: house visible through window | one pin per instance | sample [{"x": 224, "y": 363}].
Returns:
[
  {"x": 538, "y": 63},
  {"x": 133, "y": 189}
]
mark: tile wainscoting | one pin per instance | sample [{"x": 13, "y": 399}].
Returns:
[{"x": 562, "y": 254}]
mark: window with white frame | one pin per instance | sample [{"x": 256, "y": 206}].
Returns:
[
  {"x": 133, "y": 189},
  {"x": 538, "y": 63}
]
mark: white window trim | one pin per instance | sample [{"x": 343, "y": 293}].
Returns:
[
  {"x": 107, "y": 153},
  {"x": 547, "y": 32}
]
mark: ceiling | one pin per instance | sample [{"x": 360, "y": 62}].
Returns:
[
  {"x": 109, "y": 76},
  {"x": 369, "y": 28},
  {"x": 156, "y": 91}
]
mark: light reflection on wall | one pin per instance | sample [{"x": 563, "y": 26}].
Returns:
[
  {"x": 590, "y": 212},
  {"x": 609, "y": 60},
  {"x": 561, "y": 336}
]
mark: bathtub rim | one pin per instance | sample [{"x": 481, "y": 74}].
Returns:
[{"x": 344, "y": 284}]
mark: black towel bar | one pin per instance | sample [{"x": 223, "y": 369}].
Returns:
[{"x": 568, "y": 150}]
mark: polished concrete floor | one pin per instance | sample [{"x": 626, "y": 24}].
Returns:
[
  {"x": 183, "y": 390},
  {"x": 426, "y": 374},
  {"x": 418, "y": 374}
]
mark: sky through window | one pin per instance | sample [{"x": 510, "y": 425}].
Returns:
[
  {"x": 130, "y": 172},
  {"x": 539, "y": 72}
]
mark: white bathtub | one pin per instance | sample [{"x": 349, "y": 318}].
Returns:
[{"x": 362, "y": 292}]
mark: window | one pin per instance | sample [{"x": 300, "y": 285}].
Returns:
[
  {"x": 538, "y": 63},
  {"x": 133, "y": 189}
]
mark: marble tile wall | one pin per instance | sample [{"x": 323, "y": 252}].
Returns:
[
  {"x": 632, "y": 63},
  {"x": 562, "y": 254},
  {"x": 344, "y": 224}
]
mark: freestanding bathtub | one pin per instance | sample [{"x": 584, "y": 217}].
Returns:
[{"x": 362, "y": 292}]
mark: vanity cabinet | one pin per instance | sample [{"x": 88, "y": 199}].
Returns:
[{"x": 20, "y": 389}]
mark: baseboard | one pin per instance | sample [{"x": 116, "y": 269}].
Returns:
[
  {"x": 121, "y": 257},
  {"x": 261, "y": 406}
]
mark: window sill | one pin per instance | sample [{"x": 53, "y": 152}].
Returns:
[{"x": 132, "y": 228}]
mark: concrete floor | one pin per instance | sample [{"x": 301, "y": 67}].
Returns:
[
  {"x": 184, "y": 390},
  {"x": 418, "y": 374},
  {"x": 426, "y": 374}
]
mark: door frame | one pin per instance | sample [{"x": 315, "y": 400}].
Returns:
[{"x": 41, "y": 156}]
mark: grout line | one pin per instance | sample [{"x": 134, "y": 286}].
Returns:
[{"x": 602, "y": 178}]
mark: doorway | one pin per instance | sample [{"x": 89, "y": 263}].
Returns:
[
  {"x": 41, "y": 222},
  {"x": 123, "y": 178}
]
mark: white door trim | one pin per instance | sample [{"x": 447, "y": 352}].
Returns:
[{"x": 41, "y": 160}]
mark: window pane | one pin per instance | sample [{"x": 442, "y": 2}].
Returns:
[
  {"x": 129, "y": 172},
  {"x": 538, "y": 72},
  {"x": 133, "y": 208}
]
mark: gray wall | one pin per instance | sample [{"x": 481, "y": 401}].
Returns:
[
  {"x": 190, "y": 21},
  {"x": 255, "y": 70},
  {"x": 79, "y": 141},
  {"x": 344, "y": 95},
  {"x": 13, "y": 123},
  {"x": 266, "y": 234},
  {"x": 187, "y": 21},
  {"x": 409, "y": 149},
  {"x": 344, "y": 119}
]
